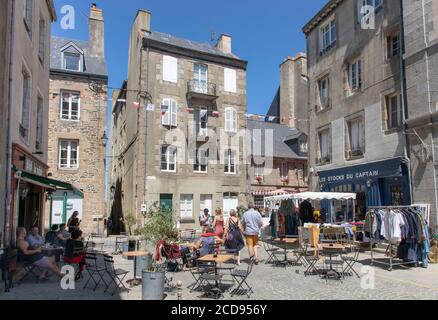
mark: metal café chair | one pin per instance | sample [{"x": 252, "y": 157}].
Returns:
[
  {"x": 120, "y": 242},
  {"x": 240, "y": 277},
  {"x": 116, "y": 275},
  {"x": 350, "y": 258},
  {"x": 93, "y": 268}
]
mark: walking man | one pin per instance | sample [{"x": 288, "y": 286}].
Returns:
[{"x": 252, "y": 222}]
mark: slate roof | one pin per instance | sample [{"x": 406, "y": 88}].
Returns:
[
  {"x": 281, "y": 134},
  {"x": 92, "y": 65},
  {"x": 187, "y": 44}
]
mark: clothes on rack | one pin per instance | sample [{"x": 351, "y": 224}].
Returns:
[{"x": 405, "y": 227}]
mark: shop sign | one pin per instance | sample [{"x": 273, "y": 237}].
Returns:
[{"x": 350, "y": 176}]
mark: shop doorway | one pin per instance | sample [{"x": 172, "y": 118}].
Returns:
[{"x": 29, "y": 211}]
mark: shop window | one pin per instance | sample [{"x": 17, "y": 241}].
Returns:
[{"x": 259, "y": 201}]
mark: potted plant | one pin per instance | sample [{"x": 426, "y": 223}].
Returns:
[
  {"x": 130, "y": 221},
  {"x": 158, "y": 226}
]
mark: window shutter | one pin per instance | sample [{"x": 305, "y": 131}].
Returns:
[
  {"x": 230, "y": 80},
  {"x": 362, "y": 135},
  {"x": 227, "y": 120},
  {"x": 170, "y": 69},
  {"x": 165, "y": 117},
  {"x": 174, "y": 113}
]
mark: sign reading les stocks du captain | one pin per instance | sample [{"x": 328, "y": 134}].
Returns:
[
  {"x": 350, "y": 176},
  {"x": 388, "y": 168}
]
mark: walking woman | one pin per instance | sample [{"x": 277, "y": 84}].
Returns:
[
  {"x": 233, "y": 234},
  {"x": 218, "y": 223}
]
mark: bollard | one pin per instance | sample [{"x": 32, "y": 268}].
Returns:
[{"x": 179, "y": 290}]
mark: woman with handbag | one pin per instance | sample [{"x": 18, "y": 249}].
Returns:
[{"x": 233, "y": 234}]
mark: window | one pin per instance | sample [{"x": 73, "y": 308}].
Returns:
[
  {"x": 376, "y": 4},
  {"x": 259, "y": 170},
  {"x": 186, "y": 206},
  {"x": 169, "y": 112},
  {"x": 170, "y": 69},
  {"x": 284, "y": 171},
  {"x": 355, "y": 76},
  {"x": 303, "y": 146},
  {"x": 230, "y": 161},
  {"x": 393, "y": 46},
  {"x": 230, "y": 202},
  {"x": 70, "y": 105},
  {"x": 168, "y": 158},
  {"x": 324, "y": 146},
  {"x": 72, "y": 61},
  {"x": 324, "y": 92},
  {"x": 200, "y": 77},
  {"x": 356, "y": 137},
  {"x": 259, "y": 201},
  {"x": 201, "y": 117},
  {"x": 39, "y": 125},
  {"x": 25, "y": 106},
  {"x": 230, "y": 80},
  {"x": 42, "y": 41},
  {"x": 394, "y": 111},
  {"x": 68, "y": 154},
  {"x": 230, "y": 120},
  {"x": 28, "y": 16},
  {"x": 327, "y": 36},
  {"x": 201, "y": 161}
]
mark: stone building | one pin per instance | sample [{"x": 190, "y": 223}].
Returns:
[
  {"x": 24, "y": 94},
  {"x": 183, "y": 151},
  {"x": 77, "y": 126},
  {"x": 356, "y": 141},
  {"x": 280, "y": 164},
  {"x": 420, "y": 20}
]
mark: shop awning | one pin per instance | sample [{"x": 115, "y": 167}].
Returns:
[
  {"x": 48, "y": 183},
  {"x": 318, "y": 196}
]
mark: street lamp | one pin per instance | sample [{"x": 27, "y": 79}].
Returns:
[{"x": 104, "y": 139}]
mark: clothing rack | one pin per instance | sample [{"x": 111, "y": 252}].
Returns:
[{"x": 387, "y": 210}]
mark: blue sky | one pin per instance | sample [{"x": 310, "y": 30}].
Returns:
[{"x": 264, "y": 33}]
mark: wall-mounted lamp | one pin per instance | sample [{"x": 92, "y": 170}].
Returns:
[{"x": 104, "y": 139}]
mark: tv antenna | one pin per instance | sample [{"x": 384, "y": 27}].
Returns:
[{"x": 212, "y": 36}]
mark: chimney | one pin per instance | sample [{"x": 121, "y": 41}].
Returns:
[
  {"x": 143, "y": 20},
  {"x": 224, "y": 43},
  {"x": 97, "y": 32}
]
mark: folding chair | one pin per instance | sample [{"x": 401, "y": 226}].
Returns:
[
  {"x": 116, "y": 275},
  {"x": 29, "y": 268},
  {"x": 93, "y": 268},
  {"x": 270, "y": 250},
  {"x": 240, "y": 277},
  {"x": 350, "y": 260},
  {"x": 201, "y": 268},
  {"x": 210, "y": 282},
  {"x": 120, "y": 242},
  {"x": 187, "y": 235}
]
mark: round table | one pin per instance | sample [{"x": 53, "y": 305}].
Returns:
[
  {"x": 135, "y": 281},
  {"x": 332, "y": 250}
]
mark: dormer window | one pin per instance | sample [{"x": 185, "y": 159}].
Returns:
[
  {"x": 72, "y": 61},
  {"x": 72, "y": 58}
]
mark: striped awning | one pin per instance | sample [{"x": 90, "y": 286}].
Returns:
[{"x": 274, "y": 192}]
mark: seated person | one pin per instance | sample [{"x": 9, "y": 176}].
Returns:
[
  {"x": 74, "y": 252},
  {"x": 206, "y": 244},
  {"x": 52, "y": 235},
  {"x": 34, "y": 239},
  {"x": 63, "y": 235},
  {"x": 34, "y": 256}
]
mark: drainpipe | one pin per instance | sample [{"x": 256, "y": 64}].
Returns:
[
  {"x": 404, "y": 101},
  {"x": 7, "y": 207}
]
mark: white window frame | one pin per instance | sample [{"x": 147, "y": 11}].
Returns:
[
  {"x": 198, "y": 165},
  {"x": 64, "y": 61},
  {"x": 201, "y": 122},
  {"x": 186, "y": 206},
  {"x": 230, "y": 80},
  {"x": 360, "y": 138},
  {"x": 25, "y": 105},
  {"x": 230, "y": 162},
  {"x": 170, "y": 69},
  {"x": 322, "y": 155},
  {"x": 327, "y": 36},
  {"x": 200, "y": 77},
  {"x": 70, "y": 105},
  {"x": 231, "y": 120},
  {"x": 355, "y": 73},
  {"x": 170, "y": 116},
  {"x": 388, "y": 101},
  {"x": 324, "y": 101},
  {"x": 69, "y": 151},
  {"x": 169, "y": 149},
  {"x": 362, "y": 3}
]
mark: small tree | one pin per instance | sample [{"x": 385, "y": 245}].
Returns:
[
  {"x": 130, "y": 220},
  {"x": 241, "y": 210},
  {"x": 158, "y": 225}
]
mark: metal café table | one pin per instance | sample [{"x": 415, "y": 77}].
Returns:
[
  {"x": 220, "y": 258},
  {"x": 285, "y": 243},
  {"x": 135, "y": 281},
  {"x": 332, "y": 249}
]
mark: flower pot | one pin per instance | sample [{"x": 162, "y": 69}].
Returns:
[
  {"x": 144, "y": 263},
  {"x": 152, "y": 285}
]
